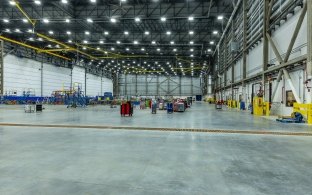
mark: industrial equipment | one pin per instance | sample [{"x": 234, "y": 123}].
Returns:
[
  {"x": 181, "y": 107},
  {"x": 169, "y": 108},
  {"x": 154, "y": 107},
  {"x": 29, "y": 108},
  {"x": 295, "y": 117},
  {"x": 219, "y": 105},
  {"x": 259, "y": 107},
  {"x": 39, "y": 107},
  {"x": 126, "y": 109},
  {"x": 161, "y": 106}
]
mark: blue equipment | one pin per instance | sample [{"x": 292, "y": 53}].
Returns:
[
  {"x": 154, "y": 107},
  {"x": 169, "y": 108},
  {"x": 108, "y": 95},
  {"x": 296, "y": 118}
]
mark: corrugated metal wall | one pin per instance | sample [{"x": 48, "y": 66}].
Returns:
[
  {"x": 22, "y": 74},
  {"x": 151, "y": 85}
]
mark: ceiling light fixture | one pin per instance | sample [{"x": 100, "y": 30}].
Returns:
[
  {"x": 45, "y": 20},
  {"x": 37, "y": 2},
  {"x": 12, "y": 2}
]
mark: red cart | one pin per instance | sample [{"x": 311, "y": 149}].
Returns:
[{"x": 126, "y": 109}]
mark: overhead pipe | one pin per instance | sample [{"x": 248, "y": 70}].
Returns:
[{"x": 32, "y": 47}]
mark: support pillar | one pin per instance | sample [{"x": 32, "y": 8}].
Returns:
[
  {"x": 180, "y": 86},
  {"x": 126, "y": 92},
  {"x": 157, "y": 90},
  {"x": 266, "y": 21},
  {"x": 85, "y": 91},
  {"x": 146, "y": 86},
  {"x": 136, "y": 84},
  {"x": 1, "y": 68},
  {"x": 41, "y": 77},
  {"x": 309, "y": 57},
  {"x": 192, "y": 86}
]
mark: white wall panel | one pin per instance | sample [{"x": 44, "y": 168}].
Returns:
[
  {"x": 238, "y": 70},
  {"x": 282, "y": 37},
  {"x": 107, "y": 85},
  {"x": 254, "y": 60},
  {"x": 21, "y": 74},
  {"x": 78, "y": 76},
  {"x": 229, "y": 75},
  {"x": 55, "y": 78},
  {"x": 164, "y": 85},
  {"x": 93, "y": 85}
]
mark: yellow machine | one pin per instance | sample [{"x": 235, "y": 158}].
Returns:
[
  {"x": 305, "y": 110},
  {"x": 260, "y": 108},
  {"x": 232, "y": 104}
]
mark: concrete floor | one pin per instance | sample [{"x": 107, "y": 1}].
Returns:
[{"x": 104, "y": 161}]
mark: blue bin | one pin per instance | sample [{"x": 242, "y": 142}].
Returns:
[{"x": 169, "y": 108}]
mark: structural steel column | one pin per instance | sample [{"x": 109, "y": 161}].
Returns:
[
  {"x": 157, "y": 86},
  {"x": 1, "y": 68},
  {"x": 309, "y": 57},
  {"x": 146, "y": 86},
  {"x": 126, "y": 93},
  {"x": 265, "y": 38},
  {"x": 180, "y": 87},
  {"x": 41, "y": 76},
  {"x": 266, "y": 26},
  {"x": 136, "y": 84},
  {"x": 192, "y": 92},
  {"x": 71, "y": 78},
  {"x": 245, "y": 20},
  {"x": 85, "y": 91}
]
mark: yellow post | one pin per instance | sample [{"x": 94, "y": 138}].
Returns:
[
  {"x": 258, "y": 106},
  {"x": 267, "y": 108}
]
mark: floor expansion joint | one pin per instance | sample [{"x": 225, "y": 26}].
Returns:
[{"x": 219, "y": 131}]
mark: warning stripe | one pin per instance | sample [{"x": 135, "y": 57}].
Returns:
[{"x": 218, "y": 131}]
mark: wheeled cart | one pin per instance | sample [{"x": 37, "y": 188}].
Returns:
[
  {"x": 154, "y": 108},
  {"x": 181, "y": 107},
  {"x": 169, "y": 108},
  {"x": 29, "y": 108},
  {"x": 39, "y": 107},
  {"x": 126, "y": 109}
]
